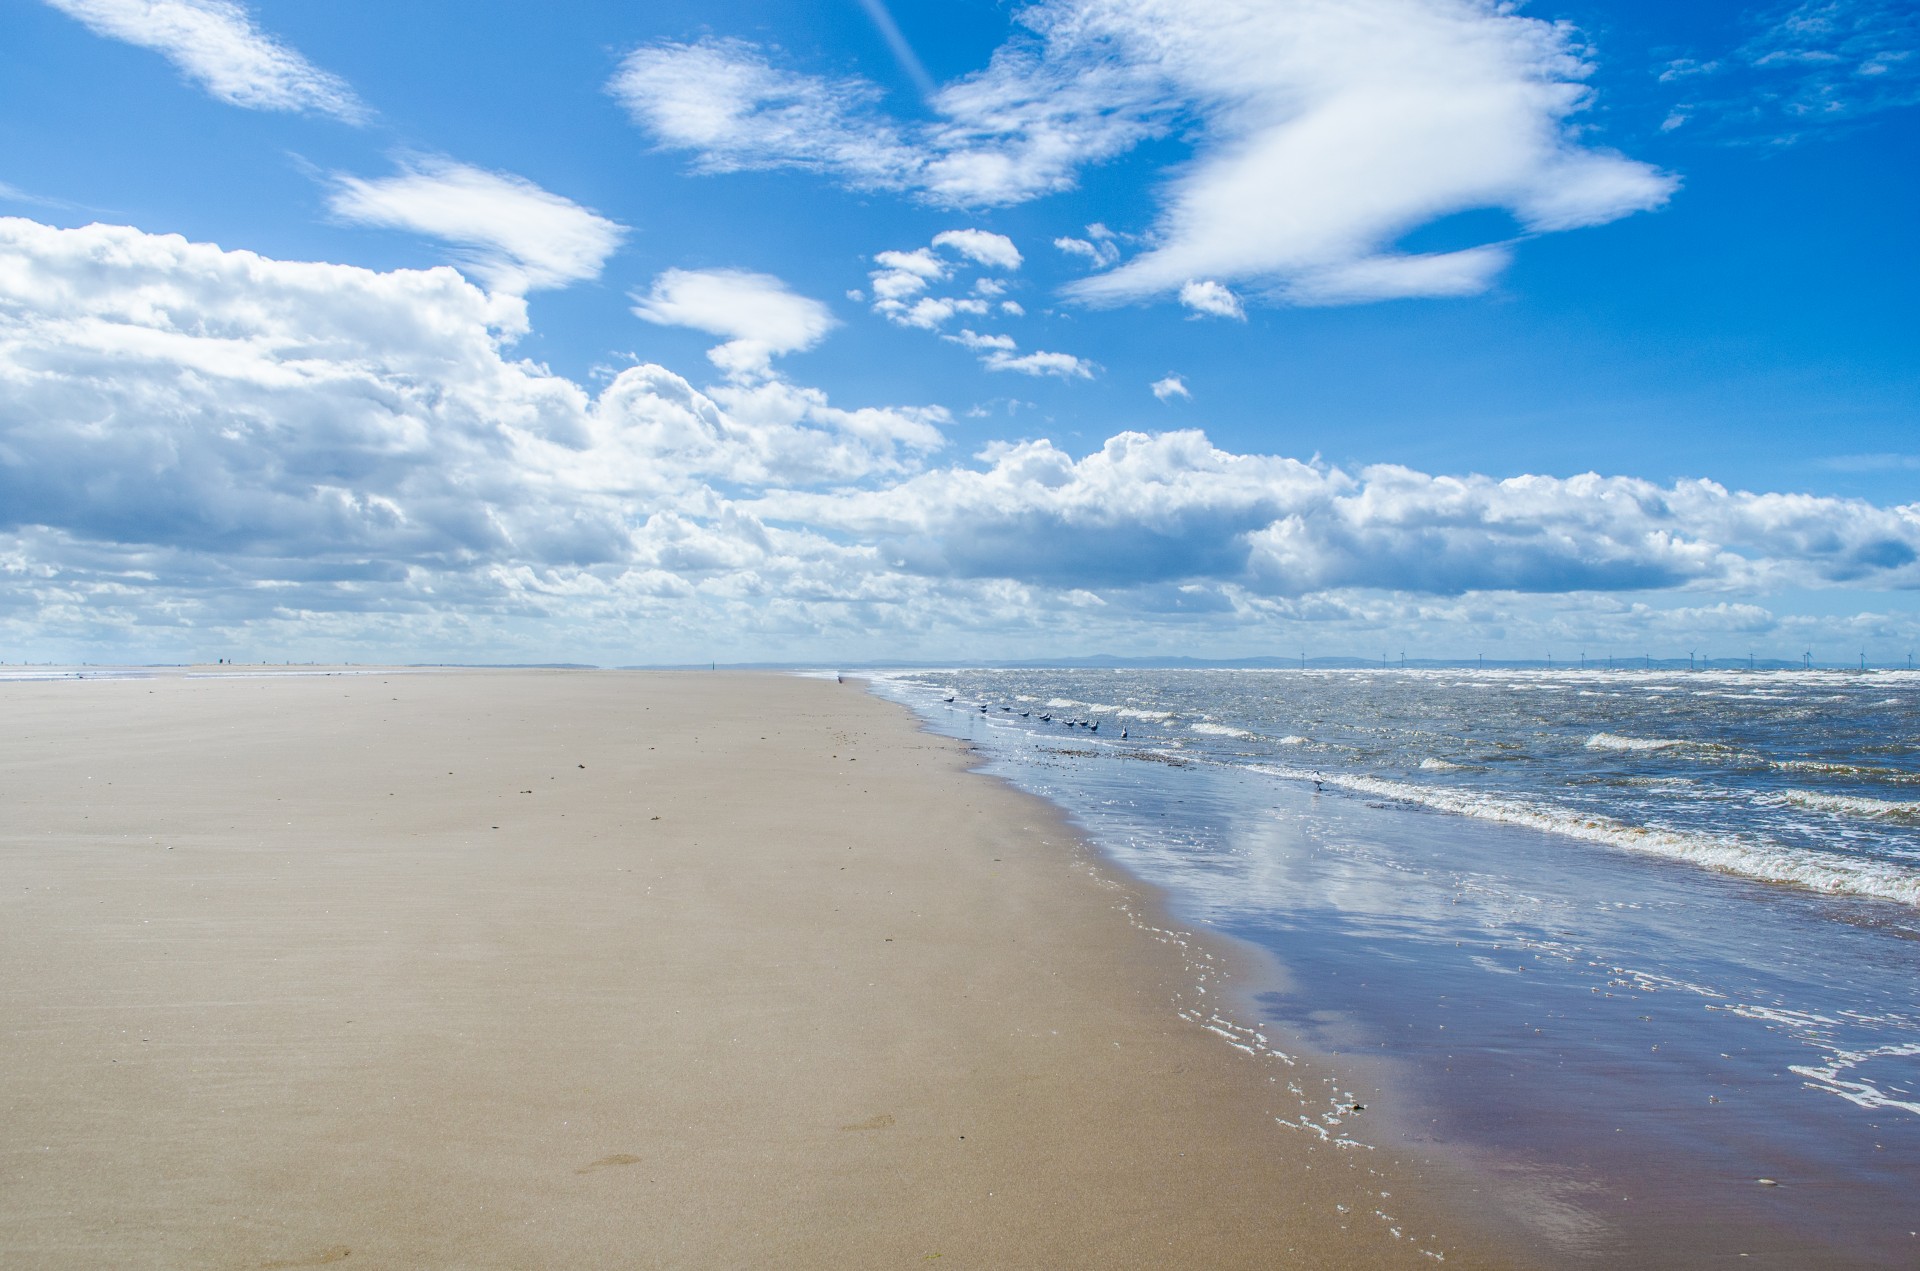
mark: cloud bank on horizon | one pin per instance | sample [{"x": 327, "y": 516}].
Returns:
[
  {"x": 203, "y": 442},
  {"x": 360, "y": 448}
]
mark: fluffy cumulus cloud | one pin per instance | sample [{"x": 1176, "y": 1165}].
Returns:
[
  {"x": 508, "y": 231},
  {"x": 216, "y": 43},
  {"x": 756, "y": 313},
  {"x": 1038, "y": 363},
  {"x": 1169, "y": 388},
  {"x": 901, "y": 284},
  {"x": 902, "y": 289},
  {"x": 200, "y": 445},
  {"x": 1210, "y": 299},
  {"x": 983, "y": 247},
  {"x": 1324, "y": 134},
  {"x": 196, "y": 435},
  {"x": 1174, "y": 508}
]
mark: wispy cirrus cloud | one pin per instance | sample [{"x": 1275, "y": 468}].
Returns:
[
  {"x": 515, "y": 236},
  {"x": 1099, "y": 248},
  {"x": 14, "y": 194},
  {"x": 1807, "y": 66},
  {"x": 1322, "y": 134},
  {"x": 216, "y": 44},
  {"x": 728, "y": 103}
]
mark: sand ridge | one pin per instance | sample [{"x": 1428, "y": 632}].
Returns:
[{"x": 510, "y": 969}]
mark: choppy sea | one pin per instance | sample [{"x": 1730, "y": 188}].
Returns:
[{"x": 1638, "y": 949}]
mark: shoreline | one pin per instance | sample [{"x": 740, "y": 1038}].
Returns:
[
  {"x": 436, "y": 971},
  {"x": 1606, "y": 1047}
]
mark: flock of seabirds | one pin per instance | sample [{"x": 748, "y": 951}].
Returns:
[{"x": 1092, "y": 726}]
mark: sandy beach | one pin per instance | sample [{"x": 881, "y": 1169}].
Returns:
[{"x": 514, "y": 969}]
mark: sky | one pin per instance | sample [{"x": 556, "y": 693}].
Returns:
[{"x": 852, "y": 330}]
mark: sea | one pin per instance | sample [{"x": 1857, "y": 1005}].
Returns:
[{"x": 1636, "y": 953}]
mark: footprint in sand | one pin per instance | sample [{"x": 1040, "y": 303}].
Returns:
[
  {"x": 339, "y": 1253},
  {"x": 880, "y": 1122},
  {"x": 618, "y": 1158}
]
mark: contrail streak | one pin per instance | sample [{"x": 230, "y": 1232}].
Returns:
[{"x": 902, "y": 51}]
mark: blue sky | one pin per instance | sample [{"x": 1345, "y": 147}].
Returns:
[{"x": 839, "y": 330}]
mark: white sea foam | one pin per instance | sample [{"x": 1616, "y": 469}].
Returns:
[
  {"x": 1613, "y": 741},
  {"x": 1222, "y": 730},
  {"x": 1747, "y": 856},
  {"x": 1865, "y": 771},
  {"x": 1295, "y": 739},
  {"x": 1847, "y": 804},
  {"x": 1132, "y": 712},
  {"x": 1431, "y": 764},
  {"x": 1854, "y": 1089}
]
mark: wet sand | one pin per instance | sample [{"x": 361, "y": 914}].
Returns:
[{"x": 509, "y": 969}]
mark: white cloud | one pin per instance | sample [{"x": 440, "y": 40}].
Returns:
[
  {"x": 511, "y": 233},
  {"x": 1169, "y": 388},
  {"x": 1323, "y": 134},
  {"x": 1007, "y": 135},
  {"x": 1098, "y": 254},
  {"x": 1885, "y": 461},
  {"x": 904, "y": 275},
  {"x": 14, "y": 194},
  {"x": 1173, "y": 508},
  {"x": 726, "y": 102},
  {"x": 1332, "y": 131},
  {"x": 216, "y": 43},
  {"x": 1807, "y": 66},
  {"x": 757, "y": 314},
  {"x": 929, "y": 313},
  {"x": 199, "y": 444},
  {"x": 920, "y": 263},
  {"x": 982, "y": 343},
  {"x": 1211, "y": 299},
  {"x": 169, "y": 396},
  {"x": 1064, "y": 365},
  {"x": 981, "y": 246}
]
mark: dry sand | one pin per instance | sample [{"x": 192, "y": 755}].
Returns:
[{"x": 525, "y": 969}]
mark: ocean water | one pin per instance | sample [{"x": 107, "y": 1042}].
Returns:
[{"x": 1641, "y": 948}]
